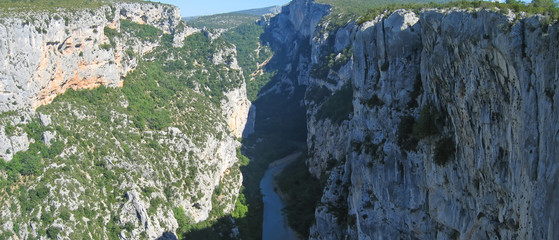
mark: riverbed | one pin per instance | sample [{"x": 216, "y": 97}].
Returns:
[{"x": 274, "y": 226}]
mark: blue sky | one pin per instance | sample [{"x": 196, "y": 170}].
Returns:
[{"x": 208, "y": 7}]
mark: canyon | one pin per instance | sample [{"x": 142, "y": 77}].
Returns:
[{"x": 429, "y": 123}]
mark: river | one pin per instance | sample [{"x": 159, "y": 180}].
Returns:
[{"x": 275, "y": 225}]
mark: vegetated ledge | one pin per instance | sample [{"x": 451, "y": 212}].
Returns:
[
  {"x": 344, "y": 12},
  {"x": 518, "y": 8},
  {"x": 50, "y": 5}
]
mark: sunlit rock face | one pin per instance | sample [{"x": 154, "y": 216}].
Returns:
[
  {"x": 45, "y": 54},
  {"x": 491, "y": 80}
]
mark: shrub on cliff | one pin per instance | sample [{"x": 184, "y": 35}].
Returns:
[
  {"x": 338, "y": 107},
  {"x": 426, "y": 124},
  {"x": 405, "y": 128},
  {"x": 444, "y": 150}
]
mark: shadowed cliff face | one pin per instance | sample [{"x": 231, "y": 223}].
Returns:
[{"x": 481, "y": 166}]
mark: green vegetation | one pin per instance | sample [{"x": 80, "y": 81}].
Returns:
[
  {"x": 272, "y": 140},
  {"x": 144, "y": 32},
  {"x": 219, "y": 224},
  {"x": 405, "y": 129},
  {"x": 426, "y": 125},
  {"x": 339, "y": 106},
  {"x": 30, "y": 162},
  {"x": 250, "y": 54},
  {"x": 546, "y": 7},
  {"x": 317, "y": 94},
  {"x": 53, "y": 5},
  {"x": 9, "y": 129},
  {"x": 241, "y": 208},
  {"x": 444, "y": 149},
  {"x": 429, "y": 123},
  {"x": 105, "y": 46},
  {"x": 111, "y": 35},
  {"x": 244, "y": 33},
  {"x": 333, "y": 61},
  {"x": 243, "y": 160},
  {"x": 270, "y": 149},
  {"x": 346, "y": 11},
  {"x": 302, "y": 192},
  {"x": 31, "y": 198},
  {"x": 223, "y": 21},
  {"x": 99, "y": 132},
  {"x": 52, "y": 232},
  {"x": 49, "y": 4},
  {"x": 411, "y": 131},
  {"x": 374, "y": 101},
  {"x": 359, "y": 7}
]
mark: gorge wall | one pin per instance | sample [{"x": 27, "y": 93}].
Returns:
[
  {"x": 146, "y": 151},
  {"x": 437, "y": 124},
  {"x": 44, "y": 53}
]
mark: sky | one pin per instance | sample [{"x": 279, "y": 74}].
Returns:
[{"x": 209, "y": 7}]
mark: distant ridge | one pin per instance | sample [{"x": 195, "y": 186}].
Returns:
[
  {"x": 261, "y": 11},
  {"x": 254, "y": 12}
]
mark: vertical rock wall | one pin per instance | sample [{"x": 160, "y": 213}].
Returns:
[{"x": 490, "y": 81}]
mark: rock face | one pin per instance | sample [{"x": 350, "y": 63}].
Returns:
[
  {"x": 45, "y": 54},
  {"x": 240, "y": 112},
  {"x": 488, "y": 170}
]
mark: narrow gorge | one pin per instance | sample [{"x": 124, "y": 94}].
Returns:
[{"x": 421, "y": 121}]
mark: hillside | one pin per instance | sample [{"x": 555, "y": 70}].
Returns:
[
  {"x": 223, "y": 21},
  {"x": 145, "y": 153}
]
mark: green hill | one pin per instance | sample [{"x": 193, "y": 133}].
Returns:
[{"x": 223, "y": 21}]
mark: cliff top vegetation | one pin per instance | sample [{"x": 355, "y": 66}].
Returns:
[
  {"x": 545, "y": 7},
  {"x": 360, "y": 7},
  {"x": 54, "y": 4},
  {"x": 345, "y": 11}
]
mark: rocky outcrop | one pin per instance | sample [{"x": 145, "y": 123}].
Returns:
[
  {"x": 240, "y": 112},
  {"x": 45, "y": 54},
  {"x": 487, "y": 170}
]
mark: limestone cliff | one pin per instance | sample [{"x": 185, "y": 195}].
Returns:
[
  {"x": 482, "y": 166},
  {"x": 105, "y": 166},
  {"x": 44, "y": 53}
]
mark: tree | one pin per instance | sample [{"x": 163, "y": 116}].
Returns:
[
  {"x": 513, "y": 2},
  {"x": 545, "y": 4}
]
